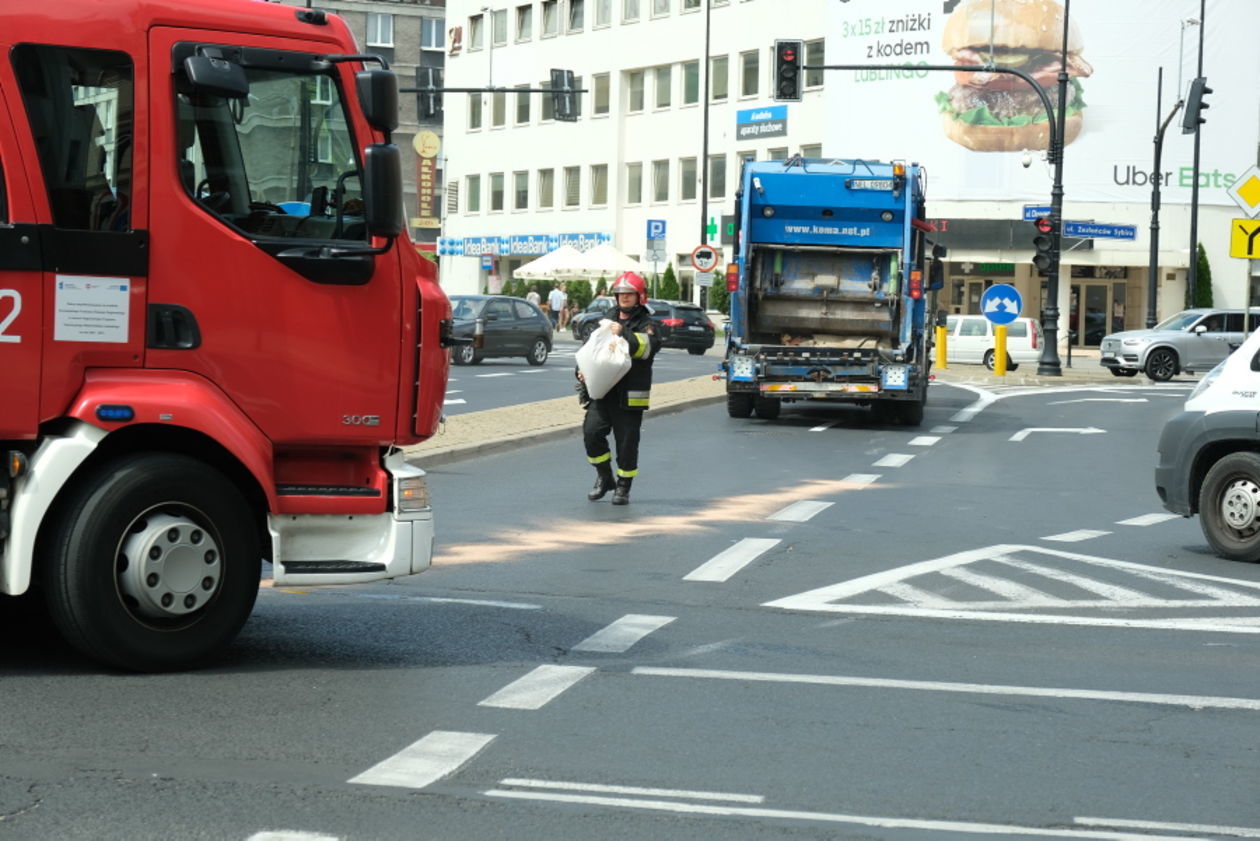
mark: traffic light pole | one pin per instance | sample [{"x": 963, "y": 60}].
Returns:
[{"x": 1049, "y": 365}]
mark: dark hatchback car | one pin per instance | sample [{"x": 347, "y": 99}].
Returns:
[
  {"x": 513, "y": 327},
  {"x": 680, "y": 324}
]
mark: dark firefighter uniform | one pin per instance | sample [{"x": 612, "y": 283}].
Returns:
[{"x": 621, "y": 410}]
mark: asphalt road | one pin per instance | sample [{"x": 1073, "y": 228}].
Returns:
[
  {"x": 818, "y": 627},
  {"x": 498, "y": 382}
]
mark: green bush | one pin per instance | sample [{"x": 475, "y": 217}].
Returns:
[
  {"x": 1203, "y": 281},
  {"x": 719, "y": 298},
  {"x": 669, "y": 285},
  {"x": 579, "y": 293}
]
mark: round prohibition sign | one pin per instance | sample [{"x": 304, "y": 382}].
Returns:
[{"x": 705, "y": 258}]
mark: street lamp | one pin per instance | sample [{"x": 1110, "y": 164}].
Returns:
[{"x": 704, "y": 142}]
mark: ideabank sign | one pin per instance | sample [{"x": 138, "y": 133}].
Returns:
[{"x": 972, "y": 139}]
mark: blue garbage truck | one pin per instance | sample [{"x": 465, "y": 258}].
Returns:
[{"x": 836, "y": 281}]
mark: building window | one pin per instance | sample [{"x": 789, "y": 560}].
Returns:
[
  {"x": 691, "y": 82},
  {"x": 603, "y": 12},
  {"x": 498, "y": 27},
  {"x": 522, "y": 104},
  {"x": 546, "y": 188},
  {"x": 688, "y": 5},
  {"x": 660, "y": 7},
  {"x": 634, "y": 86},
  {"x": 577, "y": 15},
  {"x": 577, "y": 97},
  {"x": 323, "y": 94},
  {"x": 777, "y": 154},
  {"x": 498, "y": 109},
  {"x": 496, "y": 191},
  {"x": 629, "y": 10},
  {"x": 474, "y": 111},
  {"x": 750, "y": 69},
  {"x": 599, "y": 185},
  {"x": 472, "y": 200},
  {"x": 814, "y": 54},
  {"x": 719, "y": 69},
  {"x": 550, "y": 18},
  {"x": 525, "y": 22},
  {"x": 380, "y": 30},
  {"x": 660, "y": 180},
  {"x": 432, "y": 34},
  {"x": 548, "y": 105},
  {"x": 687, "y": 179},
  {"x": 634, "y": 183},
  {"x": 812, "y": 150},
  {"x": 664, "y": 79},
  {"x": 520, "y": 190},
  {"x": 601, "y": 94},
  {"x": 476, "y": 32},
  {"x": 717, "y": 176},
  {"x": 572, "y": 186}
]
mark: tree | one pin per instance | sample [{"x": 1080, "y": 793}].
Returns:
[
  {"x": 719, "y": 298},
  {"x": 602, "y": 287},
  {"x": 1203, "y": 281},
  {"x": 669, "y": 285},
  {"x": 579, "y": 293}
]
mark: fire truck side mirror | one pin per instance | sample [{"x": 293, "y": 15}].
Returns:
[
  {"x": 378, "y": 96},
  {"x": 382, "y": 193},
  {"x": 216, "y": 76}
]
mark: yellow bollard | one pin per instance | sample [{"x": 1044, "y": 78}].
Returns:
[
  {"x": 942, "y": 360},
  {"x": 999, "y": 350}
]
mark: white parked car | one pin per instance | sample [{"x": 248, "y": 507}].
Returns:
[{"x": 970, "y": 340}]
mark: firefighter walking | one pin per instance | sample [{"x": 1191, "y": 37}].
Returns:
[{"x": 620, "y": 411}]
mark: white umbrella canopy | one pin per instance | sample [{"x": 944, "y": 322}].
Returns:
[
  {"x": 605, "y": 261},
  {"x": 553, "y": 264}
]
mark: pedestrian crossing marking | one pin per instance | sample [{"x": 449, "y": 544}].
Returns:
[{"x": 1019, "y": 583}]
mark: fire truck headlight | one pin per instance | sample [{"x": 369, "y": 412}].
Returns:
[{"x": 413, "y": 495}]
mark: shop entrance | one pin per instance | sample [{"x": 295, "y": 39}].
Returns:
[{"x": 1096, "y": 309}]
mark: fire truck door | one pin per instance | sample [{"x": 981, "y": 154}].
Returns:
[{"x": 21, "y": 303}]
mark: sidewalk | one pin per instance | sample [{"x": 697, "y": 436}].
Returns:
[{"x": 476, "y": 433}]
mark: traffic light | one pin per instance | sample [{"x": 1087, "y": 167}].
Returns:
[
  {"x": 562, "y": 96},
  {"x": 787, "y": 70},
  {"x": 1043, "y": 243},
  {"x": 429, "y": 93},
  {"x": 1191, "y": 120}
]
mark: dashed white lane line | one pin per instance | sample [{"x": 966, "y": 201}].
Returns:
[
  {"x": 943, "y": 430},
  {"x": 532, "y": 371},
  {"x": 623, "y": 633},
  {"x": 799, "y": 512},
  {"x": 823, "y": 427},
  {"x": 721, "y": 796},
  {"x": 924, "y": 440},
  {"x": 536, "y": 689},
  {"x": 1148, "y": 519},
  {"x": 1194, "y": 702},
  {"x": 894, "y": 460},
  {"x": 1076, "y": 536},
  {"x": 459, "y": 401},
  {"x": 861, "y": 480},
  {"x": 500, "y": 374},
  {"x": 291, "y": 835},
  {"x": 730, "y": 561},
  {"x": 438, "y": 754}
]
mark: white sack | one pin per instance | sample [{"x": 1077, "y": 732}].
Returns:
[{"x": 603, "y": 360}]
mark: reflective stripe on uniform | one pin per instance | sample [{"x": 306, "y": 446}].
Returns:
[
  {"x": 637, "y": 398},
  {"x": 627, "y": 474},
  {"x": 600, "y": 459},
  {"x": 644, "y": 350}
]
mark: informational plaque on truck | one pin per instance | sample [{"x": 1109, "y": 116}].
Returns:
[{"x": 92, "y": 309}]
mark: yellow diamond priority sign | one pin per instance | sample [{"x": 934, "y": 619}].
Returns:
[{"x": 1246, "y": 193}]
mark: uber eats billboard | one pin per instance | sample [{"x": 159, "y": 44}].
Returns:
[{"x": 972, "y": 129}]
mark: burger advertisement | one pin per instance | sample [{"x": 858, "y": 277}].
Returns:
[{"x": 983, "y": 133}]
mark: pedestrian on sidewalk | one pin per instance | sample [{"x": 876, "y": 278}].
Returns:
[
  {"x": 532, "y": 295},
  {"x": 555, "y": 300},
  {"x": 620, "y": 411}
]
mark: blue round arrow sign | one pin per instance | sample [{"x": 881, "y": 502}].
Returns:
[{"x": 1001, "y": 303}]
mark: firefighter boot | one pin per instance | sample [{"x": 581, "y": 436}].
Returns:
[
  {"x": 621, "y": 496},
  {"x": 603, "y": 481}
]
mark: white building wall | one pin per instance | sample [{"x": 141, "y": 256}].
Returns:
[{"x": 619, "y": 137}]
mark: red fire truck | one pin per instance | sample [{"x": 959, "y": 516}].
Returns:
[{"x": 215, "y": 335}]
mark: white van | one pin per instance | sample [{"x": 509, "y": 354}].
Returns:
[
  {"x": 970, "y": 340},
  {"x": 1209, "y": 455}
]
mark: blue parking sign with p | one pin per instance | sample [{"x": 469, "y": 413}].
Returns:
[{"x": 656, "y": 229}]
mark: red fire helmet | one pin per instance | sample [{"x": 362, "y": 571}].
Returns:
[{"x": 630, "y": 282}]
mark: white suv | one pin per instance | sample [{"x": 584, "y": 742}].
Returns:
[
  {"x": 1190, "y": 341},
  {"x": 970, "y": 339}
]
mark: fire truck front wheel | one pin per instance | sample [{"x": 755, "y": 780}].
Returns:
[{"x": 153, "y": 563}]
